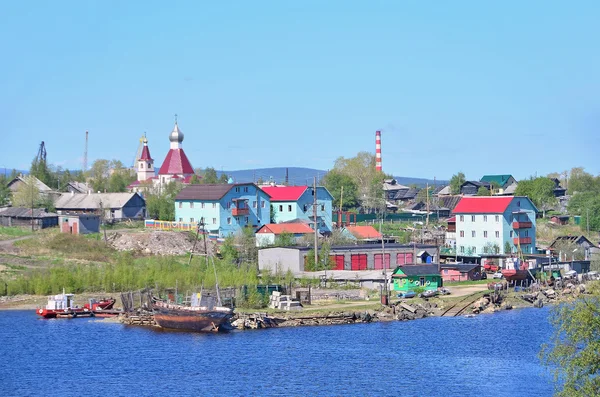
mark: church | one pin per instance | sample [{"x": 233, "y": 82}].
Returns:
[{"x": 175, "y": 167}]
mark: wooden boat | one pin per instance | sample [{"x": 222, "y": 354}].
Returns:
[
  {"x": 515, "y": 270},
  {"x": 62, "y": 306},
  {"x": 200, "y": 317}
]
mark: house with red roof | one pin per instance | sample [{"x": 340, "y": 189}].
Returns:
[
  {"x": 267, "y": 234},
  {"x": 365, "y": 233},
  {"x": 223, "y": 209},
  {"x": 297, "y": 203},
  {"x": 495, "y": 225}
]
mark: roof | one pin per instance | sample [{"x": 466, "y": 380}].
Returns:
[
  {"x": 417, "y": 270},
  {"x": 145, "y": 153},
  {"x": 444, "y": 191},
  {"x": 284, "y": 193},
  {"x": 500, "y": 180},
  {"x": 461, "y": 267},
  {"x": 19, "y": 212},
  {"x": 451, "y": 219},
  {"x": 176, "y": 162},
  {"x": 482, "y": 205},
  {"x": 80, "y": 186},
  {"x": 487, "y": 185},
  {"x": 279, "y": 228},
  {"x": 409, "y": 193},
  {"x": 77, "y": 201},
  {"x": 511, "y": 189},
  {"x": 41, "y": 186},
  {"x": 207, "y": 192},
  {"x": 572, "y": 239},
  {"x": 392, "y": 184},
  {"x": 363, "y": 232}
]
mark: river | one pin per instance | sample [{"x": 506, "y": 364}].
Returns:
[{"x": 487, "y": 355}]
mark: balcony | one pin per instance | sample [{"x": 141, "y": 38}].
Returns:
[
  {"x": 521, "y": 225},
  {"x": 522, "y": 240},
  {"x": 240, "y": 211}
]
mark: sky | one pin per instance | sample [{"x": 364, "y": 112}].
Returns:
[{"x": 505, "y": 87}]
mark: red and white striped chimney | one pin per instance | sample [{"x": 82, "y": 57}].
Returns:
[{"x": 378, "y": 150}]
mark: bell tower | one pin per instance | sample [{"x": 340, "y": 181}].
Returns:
[{"x": 145, "y": 163}]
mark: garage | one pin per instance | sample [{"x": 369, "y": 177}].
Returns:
[{"x": 359, "y": 262}]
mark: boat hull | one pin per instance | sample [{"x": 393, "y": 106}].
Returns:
[
  {"x": 192, "y": 320},
  {"x": 514, "y": 275},
  {"x": 68, "y": 313}
]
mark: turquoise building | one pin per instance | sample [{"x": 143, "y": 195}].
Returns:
[
  {"x": 495, "y": 225},
  {"x": 224, "y": 208},
  {"x": 297, "y": 203}
]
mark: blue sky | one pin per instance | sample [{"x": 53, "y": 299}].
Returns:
[{"x": 510, "y": 87}]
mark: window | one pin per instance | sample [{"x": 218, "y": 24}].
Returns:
[
  {"x": 485, "y": 233},
  {"x": 215, "y": 206},
  {"x": 254, "y": 204},
  {"x": 202, "y": 205},
  {"x": 262, "y": 204},
  {"x": 305, "y": 207},
  {"x": 445, "y": 271},
  {"x": 462, "y": 233},
  {"x": 228, "y": 204},
  {"x": 462, "y": 218},
  {"x": 289, "y": 208},
  {"x": 497, "y": 234},
  {"x": 246, "y": 220},
  {"x": 192, "y": 220},
  {"x": 485, "y": 218},
  {"x": 322, "y": 207},
  {"x": 462, "y": 249},
  {"x": 518, "y": 203},
  {"x": 237, "y": 189},
  {"x": 191, "y": 204},
  {"x": 474, "y": 250},
  {"x": 280, "y": 208},
  {"x": 214, "y": 221},
  {"x": 180, "y": 204},
  {"x": 526, "y": 233},
  {"x": 511, "y": 233},
  {"x": 472, "y": 233},
  {"x": 202, "y": 220},
  {"x": 229, "y": 221},
  {"x": 246, "y": 189},
  {"x": 472, "y": 218},
  {"x": 497, "y": 218},
  {"x": 142, "y": 165}
]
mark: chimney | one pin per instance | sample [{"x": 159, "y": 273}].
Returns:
[{"x": 378, "y": 150}]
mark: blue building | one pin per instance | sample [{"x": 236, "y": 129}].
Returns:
[
  {"x": 291, "y": 203},
  {"x": 492, "y": 225},
  {"x": 224, "y": 209}
]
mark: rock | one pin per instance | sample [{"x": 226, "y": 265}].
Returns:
[
  {"x": 538, "y": 303},
  {"x": 567, "y": 291},
  {"x": 550, "y": 293},
  {"x": 581, "y": 288}
]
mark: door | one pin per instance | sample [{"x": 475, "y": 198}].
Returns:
[
  {"x": 75, "y": 228},
  {"x": 381, "y": 262},
  {"x": 359, "y": 262},
  {"x": 338, "y": 260}
]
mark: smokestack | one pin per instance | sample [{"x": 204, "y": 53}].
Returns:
[{"x": 378, "y": 150}]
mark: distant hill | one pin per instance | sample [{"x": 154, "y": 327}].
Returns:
[
  {"x": 296, "y": 175},
  {"x": 8, "y": 171},
  {"x": 420, "y": 182}
]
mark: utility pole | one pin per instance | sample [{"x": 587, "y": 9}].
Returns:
[
  {"x": 31, "y": 182},
  {"x": 315, "y": 220},
  {"x": 427, "y": 207},
  {"x": 341, "y": 217}
]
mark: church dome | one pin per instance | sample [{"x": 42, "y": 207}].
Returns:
[{"x": 176, "y": 134}]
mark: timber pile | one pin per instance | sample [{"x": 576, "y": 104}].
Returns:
[{"x": 141, "y": 318}]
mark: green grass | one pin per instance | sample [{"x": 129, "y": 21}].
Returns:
[
  {"x": 8, "y": 233},
  {"x": 470, "y": 282}
]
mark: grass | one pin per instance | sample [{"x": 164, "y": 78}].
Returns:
[
  {"x": 8, "y": 233},
  {"x": 470, "y": 282}
]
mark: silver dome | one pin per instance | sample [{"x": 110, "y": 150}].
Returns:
[{"x": 176, "y": 134}]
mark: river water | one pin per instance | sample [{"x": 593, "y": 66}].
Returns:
[{"x": 487, "y": 355}]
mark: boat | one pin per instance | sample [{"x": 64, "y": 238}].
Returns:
[
  {"x": 202, "y": 315},
  {"x": 515, "y": 270},
  {"x": 62, "y": 306},
  {"x": 103, "y": 307}
]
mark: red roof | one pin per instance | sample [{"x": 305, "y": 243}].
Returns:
[
  {"x": 176, "y": 162},
  {"x": 145, "y": 153},
  {"x": 452, "y": 220},
  {"x": 284, "y": 193},
  {"x": 482, "y": 205},
  {"x": 361, "y": 232},
  {"x": 279, "y": 228}
]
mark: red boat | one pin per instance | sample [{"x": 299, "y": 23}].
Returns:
[
  {"x": 515, "y": 270},
  {"x": 62, "y": 306},
  {"x": 103, "y": 307}
]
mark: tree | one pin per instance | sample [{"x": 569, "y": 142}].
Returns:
[
  {"x": 482, "y": 191},
  {"x": 209, "y": 176},
  {"x": 223, "y": 179},
  {"x": 507, "y": 248},
  {"x": 540, "y": 191},
  {"x": 5, "y": 192},
  {"x": 27, "y": 194},
  {"x": 573, "y": 351},
  {"x": 99, "y": 174},
  {"x": 580, "y": 181},
  {"x": 334, "y": 181},
  {"x": 456, "y": 182},
  {"x": 285, "y": 239},
  {"x": 161, "y": 205},
  {"x": 195, "y": 180},
  {"x": 39, "y": 169},
  {"x": 586, "y": 205}
]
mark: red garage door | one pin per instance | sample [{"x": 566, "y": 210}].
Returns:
[
  {"x": 404, "y": 258},
  {"x": 379, "y": 261},
  {"x": 338, "y": 261},
  {"x": 359, "y": 262}
]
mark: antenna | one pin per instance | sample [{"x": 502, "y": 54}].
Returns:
[{"x": 85, "y": 157}]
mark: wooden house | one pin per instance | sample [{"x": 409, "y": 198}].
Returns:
[{"x": 410, "y": 277}]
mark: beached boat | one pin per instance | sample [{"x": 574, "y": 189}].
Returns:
[
  {"x": 202, "y": 315},
  {"x": 103, "y": 307},
  {"x": 515, "y": 270},
  {"x": 62, "y": 306}
]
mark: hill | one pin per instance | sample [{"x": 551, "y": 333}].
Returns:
[{"x": 295, "y": 175}]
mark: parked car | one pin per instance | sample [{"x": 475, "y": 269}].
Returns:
[
  {"x": 498, "y": 275},
  {"x": 428, "y": 294},
  {"x": 445, "y": 291},
  {"x": 571, "y": 274},
  {"x": 407, "y": 294}
]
